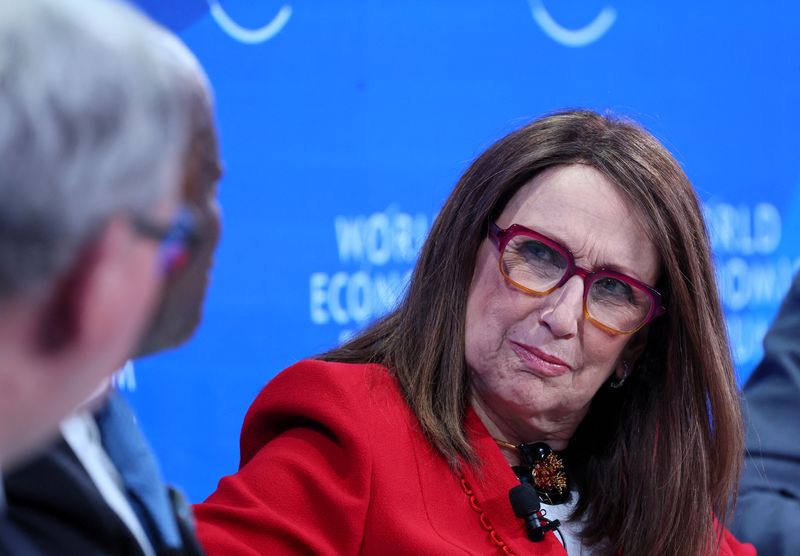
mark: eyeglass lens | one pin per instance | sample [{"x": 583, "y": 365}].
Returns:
[{"x": 611, "y": 300}]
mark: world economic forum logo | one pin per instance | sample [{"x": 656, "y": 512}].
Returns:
[
  {"x": 572, "y": 37},
  {"x": 248, "y": 35},
  {"x": 584, "y": 36}
]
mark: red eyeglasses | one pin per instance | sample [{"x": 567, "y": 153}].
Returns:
[{"x": 537, "y": 265}]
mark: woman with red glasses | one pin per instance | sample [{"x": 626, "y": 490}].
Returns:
[{"x": 557, "y": 378}]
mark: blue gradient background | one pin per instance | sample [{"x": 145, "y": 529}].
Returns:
[{"x": 360, "y": 108}]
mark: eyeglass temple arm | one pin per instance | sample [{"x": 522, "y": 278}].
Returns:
[{"x": 494, "y": 234}]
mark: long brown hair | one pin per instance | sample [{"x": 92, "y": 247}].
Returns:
[{"x": 656, "y": 459}]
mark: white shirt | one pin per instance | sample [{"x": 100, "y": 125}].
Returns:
[{"x": 571, "y": 529}]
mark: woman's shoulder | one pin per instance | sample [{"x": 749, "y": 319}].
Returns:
[
  {"x": 315, "y": 382},
  {"x": 344, "y": 398},
  {"x": 329, "y": 373},
  {"x": 730, "y": 546},
  {"x": 306, "y": 465}
]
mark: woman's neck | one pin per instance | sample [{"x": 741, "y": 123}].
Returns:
[{"x": 513, "y": 434}]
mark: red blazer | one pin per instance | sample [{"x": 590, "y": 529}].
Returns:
[{"x": 333, "y": 462}]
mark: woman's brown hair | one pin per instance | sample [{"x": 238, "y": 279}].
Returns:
[{"x": 656, "y": 460}]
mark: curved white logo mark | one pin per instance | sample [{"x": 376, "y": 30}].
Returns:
[
  {"x": 572, "y": 37},
  {"x": 243, "y": 34}
]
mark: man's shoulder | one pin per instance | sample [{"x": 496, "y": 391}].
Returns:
[
  {"x": 53, "y": 502},
  {"x": 14, "y": 542}
]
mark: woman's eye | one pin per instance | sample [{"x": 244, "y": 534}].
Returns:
[
  {"x": 539, "y": 253},
  {"x": 613, "y": 288}
]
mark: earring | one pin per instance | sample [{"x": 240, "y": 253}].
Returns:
[{"x": 626, "y": 370}]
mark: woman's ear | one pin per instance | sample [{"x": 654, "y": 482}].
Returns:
[{"x": 631, "y": 353}]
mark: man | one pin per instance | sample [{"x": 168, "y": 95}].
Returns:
[
  {"x": 768, "y": 509},
  {"x": 108, "y": 115}
]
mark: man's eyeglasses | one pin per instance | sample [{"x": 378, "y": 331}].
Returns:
[
  {"x": 537, "y": 265},
  {"x": 177, "y": 239}
]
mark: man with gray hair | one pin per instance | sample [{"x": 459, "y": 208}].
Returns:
[{"x": 100, "y": 110}]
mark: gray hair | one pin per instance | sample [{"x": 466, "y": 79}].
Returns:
[{"x": 96, "y": 115}]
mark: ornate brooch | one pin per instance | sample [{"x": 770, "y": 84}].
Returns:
[
  {"x": 550, "y": 479},
  {"x": 543, "y": 468}
]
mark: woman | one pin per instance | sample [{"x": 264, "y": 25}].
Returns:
[{"x": 562, "y": 309}]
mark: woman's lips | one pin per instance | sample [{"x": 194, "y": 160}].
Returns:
[{"x": 539, "y": 361}]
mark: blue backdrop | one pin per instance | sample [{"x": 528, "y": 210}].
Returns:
[{"x": 344, "y": 125}]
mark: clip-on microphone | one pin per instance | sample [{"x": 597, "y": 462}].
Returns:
[{"x": 526, "y": 505}]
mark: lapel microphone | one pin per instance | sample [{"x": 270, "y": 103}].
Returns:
[{"x": 526, "y": 506}]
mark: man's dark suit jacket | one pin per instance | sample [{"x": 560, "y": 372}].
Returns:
[
  {"x": 14, "y": 542},
  {"x": 768, "y": 511},
  {"x": 54, "y": 503}
]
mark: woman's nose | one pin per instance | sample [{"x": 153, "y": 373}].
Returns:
[{"x": 564, "y": 308}]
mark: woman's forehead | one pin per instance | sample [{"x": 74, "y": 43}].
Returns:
[{"x": 579, "y": 207}]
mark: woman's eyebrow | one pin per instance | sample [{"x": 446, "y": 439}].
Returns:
[
  {"x": 602, "y": 262},
  {"x": 580, "y": 255}
]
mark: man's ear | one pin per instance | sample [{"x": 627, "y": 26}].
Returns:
[{"x": 70, "y": 302}]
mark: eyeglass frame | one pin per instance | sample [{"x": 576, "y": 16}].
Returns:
[
  {"x": 182, "y": 231},
  {"x": 500, "y": 238}
]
